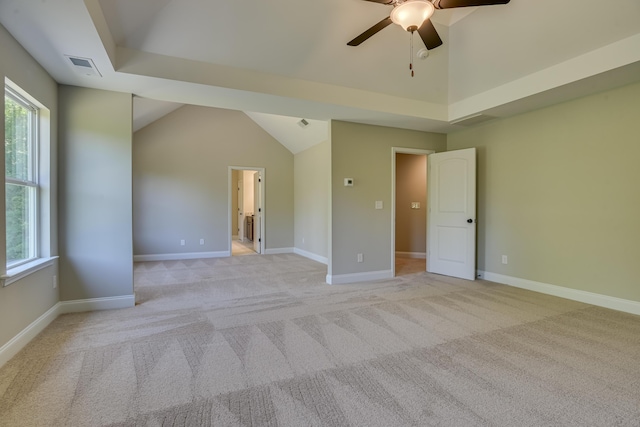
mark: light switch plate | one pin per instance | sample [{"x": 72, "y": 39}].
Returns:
[{"x": 378, "y": 204}]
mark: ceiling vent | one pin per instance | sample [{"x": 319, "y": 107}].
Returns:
[
  {"x": 472, "y": 120},
  {"x": 84, "y": 66},
  {"x": 303, "y": 123}
]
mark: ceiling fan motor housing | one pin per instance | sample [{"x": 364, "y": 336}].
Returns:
[{"x": 413, "y": 15}]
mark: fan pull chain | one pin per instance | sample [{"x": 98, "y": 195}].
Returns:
[{"x": 411, "y": 53}]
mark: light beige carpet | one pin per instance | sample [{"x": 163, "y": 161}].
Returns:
[{"x": 262, "y": 341}]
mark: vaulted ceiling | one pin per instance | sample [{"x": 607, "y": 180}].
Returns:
[{"x": 290, "y": 58}]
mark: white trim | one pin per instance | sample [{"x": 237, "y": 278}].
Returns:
[
  {"x": 421, "y": 255},
  {"x": 310, "y": 255},
  {"x": 17, "y": 343},
  {"x": 16, "y": 273},
  {"x": 367, "y": 276},
  {"x": 94, "y": 304},
  {"x": 185, "y": 255},
  {"x": 614, "y": 303},
  {"x": 277, "y": 251}
]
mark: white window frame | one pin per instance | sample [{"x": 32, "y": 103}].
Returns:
[
  {"x": 33, "y": 183},
  {"x": 41, "y": 255}
]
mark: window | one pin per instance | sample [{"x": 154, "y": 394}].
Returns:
[{"x": 21, "y": 178}]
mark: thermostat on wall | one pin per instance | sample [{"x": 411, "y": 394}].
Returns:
[{"x": 348, "y": 182}]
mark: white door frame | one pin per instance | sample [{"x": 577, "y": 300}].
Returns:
[
  {"x": 257, "y": 211},
  {"x": 240, "y": 213},
  {"x": 394, "y": 151},
  {"x": 263, "y": 203}
]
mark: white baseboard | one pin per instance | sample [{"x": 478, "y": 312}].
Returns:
[
  {"x": 321, "y": 259},
  {"x": 17, "y": 343},
  {"x": 421, "y": 255},
  {"x": 176, "y": 257},
  {"x": 277, "y": 251},
  {"x": 341, "y": 279},
  {"x": 614, "y": 303},
  {"x": 95, "y": 304}
]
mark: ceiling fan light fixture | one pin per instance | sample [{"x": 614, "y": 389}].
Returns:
[{"x": 411, "y": 14}]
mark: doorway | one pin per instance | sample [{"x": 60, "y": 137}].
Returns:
[
  {"x": 246, "y": 211},
  {"x": 409, "y": 210}
]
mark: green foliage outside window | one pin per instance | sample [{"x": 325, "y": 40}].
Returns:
[{"x": 20, "y": 184}]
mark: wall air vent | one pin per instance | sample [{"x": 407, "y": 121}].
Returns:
[
  {"x": 83, "y": 66},
  {"x": 472, "y": 120},
  {"x": 303, "y": 123}
]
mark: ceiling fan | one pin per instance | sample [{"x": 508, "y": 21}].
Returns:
[{"x": 413, "y": 15}]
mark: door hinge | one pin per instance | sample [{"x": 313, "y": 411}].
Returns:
[
  {"x": 259, "y": 240},
  {"x": 259, "y": 209}
]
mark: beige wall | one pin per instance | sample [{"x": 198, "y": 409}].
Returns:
[
  {"x": 411, "y": 186},
  {"x": 559, "y": 193},
  {"x": 312, "y": 176},
  {"x": 96, "y": 256},
  {"x": 24, "y": 301},
  {"x": 181, "y": 180},
  {"x": 363, "y": 152}
]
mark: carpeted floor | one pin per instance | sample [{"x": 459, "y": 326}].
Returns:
[{"x": 262, "y": 341}]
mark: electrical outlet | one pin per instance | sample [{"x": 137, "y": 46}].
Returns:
[
  {"x": 55, "y": 281},
  {"x": 202, "y": 241},
  {"x": 360, "y": 258},
  {"x": 182, "y": 242},
  {"x": 505, "y": 260}
]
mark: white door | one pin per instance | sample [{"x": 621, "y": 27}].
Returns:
[
  {"x": 257, "y": 213},
  {"x": 240, "y": 211},
  {"x": 452, "y": 213}
]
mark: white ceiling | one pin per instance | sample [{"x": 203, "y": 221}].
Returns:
[
  {"x": 290, "y": 58},
  {"x": 290, "y": 133},
  {"x": 147, "y": 111}
]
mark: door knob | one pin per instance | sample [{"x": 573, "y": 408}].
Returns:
[{"x": 470, "y": 221}]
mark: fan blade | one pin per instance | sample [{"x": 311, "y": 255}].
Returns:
[
  {"x": 381, "y": 1},
  {"x": 429, "y": 35},
  {"x": 371, "y": 31},
  {"x": 450, "y": 4}
]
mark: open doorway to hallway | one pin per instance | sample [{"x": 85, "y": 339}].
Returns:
[
  {"x": 409, "y": 240},
  {"x": 246, "y": 211}
]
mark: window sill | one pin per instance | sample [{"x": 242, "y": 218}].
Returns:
[{"x": 24, "y": 270}]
